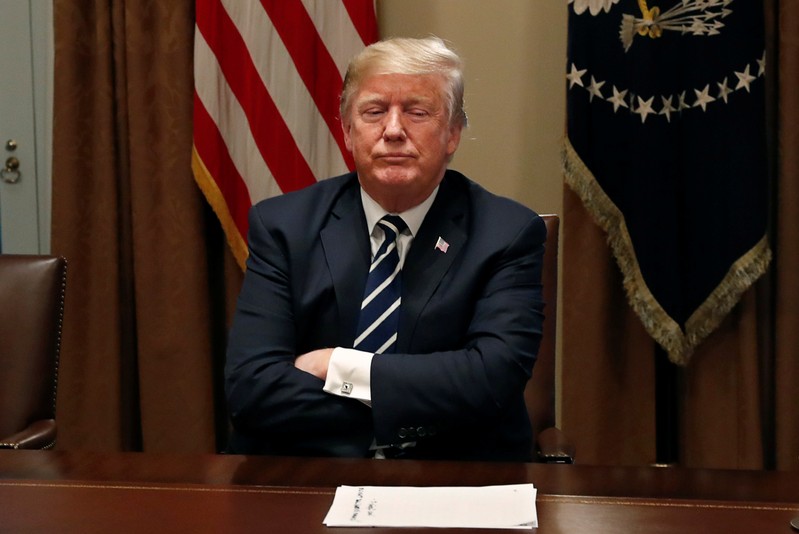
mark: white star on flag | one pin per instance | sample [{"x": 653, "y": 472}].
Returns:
[
  {"x": 575, "y": 77},
  {"x": 668, "y": 108},
  {"x": 595, "y": 89},
  {"x": 442, "y": 245},
  {"x": 703, "y": 97},
  {"x": 644, "y": 108},
  {"x": 618, "y": 99},
  {"x": 744, "y": 79}
]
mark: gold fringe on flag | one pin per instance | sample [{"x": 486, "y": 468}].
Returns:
[
  {"x": 214, "y": 197},
  {"x": 679, "y": 344}
]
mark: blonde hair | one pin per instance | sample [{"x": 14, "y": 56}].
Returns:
[{"x": 402, "y": 55}]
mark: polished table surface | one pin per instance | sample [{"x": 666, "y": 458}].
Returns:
[{"x": 56, "y": 491}]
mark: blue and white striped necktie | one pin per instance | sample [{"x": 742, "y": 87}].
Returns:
[{"x": 377, "y": 325}]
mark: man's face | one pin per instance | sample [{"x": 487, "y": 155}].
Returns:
[{"x": 399, "y": 134}]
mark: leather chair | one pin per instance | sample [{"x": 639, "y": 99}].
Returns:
[
  {"x": 31, "y": 310},
  {"x": 551, "y": 445}
]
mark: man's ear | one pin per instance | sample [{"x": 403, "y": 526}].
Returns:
[
  {"x": 345, "y": 127},
  {"x": 454, "y": 139}
]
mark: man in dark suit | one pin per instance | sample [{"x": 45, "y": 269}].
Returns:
[{"x": 447, "y": 379}]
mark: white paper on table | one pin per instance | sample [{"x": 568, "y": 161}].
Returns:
[{"x": 508, "y": 506}]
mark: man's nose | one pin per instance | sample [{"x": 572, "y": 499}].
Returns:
[{"x": 394, "y": 129}]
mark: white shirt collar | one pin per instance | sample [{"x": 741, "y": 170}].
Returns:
[{"x": 412, "y": 217}]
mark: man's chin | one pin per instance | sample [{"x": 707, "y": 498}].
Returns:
[{"x": 396, "y": 176}]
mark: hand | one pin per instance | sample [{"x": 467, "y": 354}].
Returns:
[{"x": 314, "y": 362}]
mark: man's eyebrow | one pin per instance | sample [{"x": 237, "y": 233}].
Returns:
[
  {"x": 413, "y": 100},
  {"x": 370, "y": 100},
  {"x": 424, "y": 100}
]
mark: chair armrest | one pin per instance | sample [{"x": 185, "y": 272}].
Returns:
[
  {"x": 554, "y": 447},
  {"x": 38, "y": 435}
]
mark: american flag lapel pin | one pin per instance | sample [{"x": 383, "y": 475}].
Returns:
[{"x": 442, "y": 245}]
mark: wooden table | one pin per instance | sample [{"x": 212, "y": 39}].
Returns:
[{"x": 53, "y": 491}]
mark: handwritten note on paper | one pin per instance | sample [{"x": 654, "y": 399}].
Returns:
[{"x": 507, "y": 507}]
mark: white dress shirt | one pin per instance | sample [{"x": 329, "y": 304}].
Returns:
[{"x": 348, "y": 373}]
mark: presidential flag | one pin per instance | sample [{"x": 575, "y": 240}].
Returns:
[
  {"x": 666, "y": 148},
  {"x": 268, "y": 75}
]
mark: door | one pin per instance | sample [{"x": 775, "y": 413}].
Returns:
[{"x": 25, "y": 89}]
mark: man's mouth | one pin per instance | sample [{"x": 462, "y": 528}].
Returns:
[{"x": 395, "y": 156}]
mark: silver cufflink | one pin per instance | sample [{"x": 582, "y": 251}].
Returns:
[{"x": 346, "y": 388}]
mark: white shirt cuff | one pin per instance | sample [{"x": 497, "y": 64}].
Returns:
[{"x": 348, "y": 374}]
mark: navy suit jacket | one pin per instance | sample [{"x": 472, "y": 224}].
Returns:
[{"x": 469, "y": 328}]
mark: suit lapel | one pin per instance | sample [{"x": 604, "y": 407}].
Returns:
[
  {"x": 346, "y": 248},
  {"x": 427, "y": 264}
]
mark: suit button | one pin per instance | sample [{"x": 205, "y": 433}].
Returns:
[
  {"x": 403, "y": 432},
  {"x": 411, "y": 432},
  {"x": 432, "y": 431},
  {"x": 421, "y": 431}
]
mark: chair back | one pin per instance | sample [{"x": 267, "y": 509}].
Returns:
[
  {"x": 540, "y": 391},
  {"x": 32, "y": 292}
]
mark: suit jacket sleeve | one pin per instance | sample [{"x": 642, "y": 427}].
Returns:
[{"x": 279, "y": 407}]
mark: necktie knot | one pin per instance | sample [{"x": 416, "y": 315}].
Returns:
[{"x": 392, "y": 225}]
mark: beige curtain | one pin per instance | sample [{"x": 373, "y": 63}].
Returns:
[
  {"x": 149, "y": 281},
  {"x": 736, "y": 401}
]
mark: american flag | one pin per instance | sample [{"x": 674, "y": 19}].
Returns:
[{"x": 268, "y": 75}]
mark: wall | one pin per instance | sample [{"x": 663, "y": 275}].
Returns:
[{"x": 515, "y": 53}]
